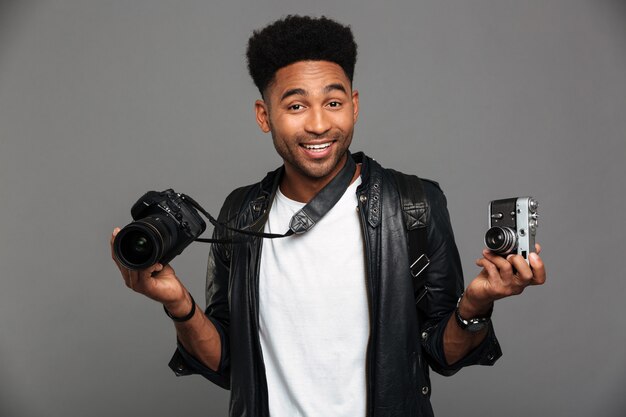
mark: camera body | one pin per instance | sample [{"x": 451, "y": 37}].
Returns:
[
  {"x": 164, "y": 224},
  {"x": 512, "y": 226}
]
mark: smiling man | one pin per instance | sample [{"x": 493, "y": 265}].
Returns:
[{"x": 323, "y": 322}]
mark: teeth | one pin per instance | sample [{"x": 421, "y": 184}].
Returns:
[{"x": 317, "y": 147}]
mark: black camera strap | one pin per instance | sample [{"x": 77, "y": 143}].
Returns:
[
  {"x": 415, "y": 211},
  {"x": 305, "y": 218}
]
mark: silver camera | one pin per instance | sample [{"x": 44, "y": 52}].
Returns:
[{"x": 512, "y": 226}]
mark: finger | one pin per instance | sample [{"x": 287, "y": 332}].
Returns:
[
  {"x": 539, "y": 269},
  {"x": 111, "y": 241},
  {"x": 159, "y": 268},
  {"x": 115, "y": 232},
  {"x": 134, "y": 279},
  {"x": 124, "y": 271},
  {"x": 523, "y": 272},
  {"x": 537, "y": 248},
  {"x": 490, "y": 271},
  {"x": 152, "y": 271},
  {"x": 505, "y": 268},
  {"x": 140, "y": 281}
]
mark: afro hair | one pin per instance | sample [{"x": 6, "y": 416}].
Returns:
[{"x": 299, "y": 38}]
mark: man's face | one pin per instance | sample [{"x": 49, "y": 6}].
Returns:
[{"x": 311, "y": 110}]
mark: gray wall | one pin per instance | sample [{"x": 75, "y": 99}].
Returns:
[{"x": 101, "y": 101}]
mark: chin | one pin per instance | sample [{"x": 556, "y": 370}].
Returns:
[{"x": 319, "y": 171}]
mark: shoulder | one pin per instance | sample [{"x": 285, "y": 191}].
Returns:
[
  {"x": 431, "y": 208},
  {"x": 235, "y": 202},
  {"x": 431, "y": 189},
  {"x": 240, "y": 198},
  {"x": 237, "y": 197}
]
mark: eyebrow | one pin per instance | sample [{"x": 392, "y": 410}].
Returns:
[
  {"x": 302, "y": 92},
  {"x": 294, "y": 92},
  {"x": 335, "y": 86}
]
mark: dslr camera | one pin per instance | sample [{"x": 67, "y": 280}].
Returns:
[
  {"x": 512, "y": 226},
  {"x": 164, "y": 224}
]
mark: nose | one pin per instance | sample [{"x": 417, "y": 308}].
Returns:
[{"x": 317, "y": 122}]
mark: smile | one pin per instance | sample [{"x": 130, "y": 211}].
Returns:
[{"x": 317, "y": 148}]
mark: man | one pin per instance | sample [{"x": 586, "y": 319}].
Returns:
[{"x": 323, "y": 323}]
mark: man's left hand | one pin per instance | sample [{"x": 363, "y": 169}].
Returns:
[{"x": 500, "y": 278}]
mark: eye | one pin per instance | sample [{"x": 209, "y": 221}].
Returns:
[
  {"x": 295, "y": 107},
  {"x": 334, "y": 104}
]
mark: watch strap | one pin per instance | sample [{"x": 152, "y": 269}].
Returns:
[
  {"x": 474, "y": 324},
  {"x": 186, "y": 317}
]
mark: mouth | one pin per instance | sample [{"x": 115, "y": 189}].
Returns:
[{"x": 318, "y": 147}]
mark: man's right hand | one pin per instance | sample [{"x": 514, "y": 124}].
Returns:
[
  {"x": 198, "y": 335},
  {"x": 157, "y": 282}
]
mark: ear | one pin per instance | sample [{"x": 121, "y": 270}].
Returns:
[
  {"x": 355, "y": 105},
  {"x": 262, "y": 115}
]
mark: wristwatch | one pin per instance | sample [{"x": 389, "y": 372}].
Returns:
[{"x": 472, "y": 325}]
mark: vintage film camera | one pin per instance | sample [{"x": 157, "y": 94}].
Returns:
[
  {"x": 512, "y": 226},
  {"x": 165, "y": 223}
]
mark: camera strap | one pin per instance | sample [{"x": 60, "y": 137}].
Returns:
[
  {"x": 305, "y": 218},
  {"x": 415, "y": 211}
]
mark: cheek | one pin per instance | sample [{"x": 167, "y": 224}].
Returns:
[
  {"x": 345, "y": 121},
  {"x": 287, "y": 126}
]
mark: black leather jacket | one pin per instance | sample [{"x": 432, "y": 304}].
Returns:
[{"x": 402, "y": 344}]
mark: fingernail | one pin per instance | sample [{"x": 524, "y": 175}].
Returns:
[{"x": 533, "y": 256}]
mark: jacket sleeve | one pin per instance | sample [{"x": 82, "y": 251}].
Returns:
[
  {"x": 444, "y": 282},
  {"x": 217, "y": 310}
]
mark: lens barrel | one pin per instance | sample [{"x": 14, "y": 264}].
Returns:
[
  {"x": 143, "y": 242},
  {"x": 501, "y": 240}
]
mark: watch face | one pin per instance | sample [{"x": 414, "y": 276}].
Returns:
[
  {"x": 471, "y": 325},
  {"x": 474, "y": 327}
]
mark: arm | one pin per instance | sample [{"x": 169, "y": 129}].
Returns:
[
  {"x": 197, "y": 335},
  {"x": 498, "y": 279},
  {"x": 444, "y": 282}
]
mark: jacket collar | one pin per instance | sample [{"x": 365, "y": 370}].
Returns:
[
  {"x": 259, "y": 206},
  {"x": 370, "y": 190}
]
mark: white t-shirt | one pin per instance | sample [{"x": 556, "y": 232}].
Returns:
[{"x": 313, "y": 312}]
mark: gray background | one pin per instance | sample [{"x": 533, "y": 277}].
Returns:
[{"x": 101, "y": 101}]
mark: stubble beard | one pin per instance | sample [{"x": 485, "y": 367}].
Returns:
[{"x": 311, "y": 169}]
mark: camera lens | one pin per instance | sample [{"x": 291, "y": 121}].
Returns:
[
  {"x": 142, "y": 243},
  {"x": 501, "y": 240},
  {"x": 137, "y": 247}
]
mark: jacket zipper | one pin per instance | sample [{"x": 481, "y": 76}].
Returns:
[
  {"x": 254, "y": 275},
  {"x": 362, "y": 199},
  {"x": 261, "y": 376}
]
